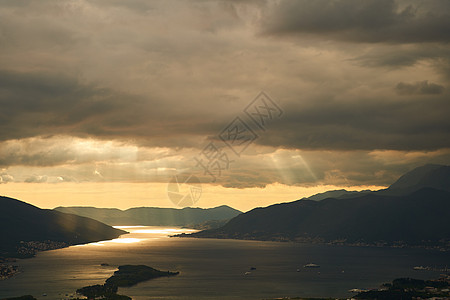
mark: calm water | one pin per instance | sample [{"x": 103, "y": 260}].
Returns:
[{"x": 214, "y": 269}]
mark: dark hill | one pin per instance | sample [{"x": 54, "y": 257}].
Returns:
[
  {"x": 22, "y": 222},
  {"x": 422, "y": 217},
  {"x": 415, "y": 210},
  {"x": 337, "y": 194},
  {"x": 153, "y": 216},
  {"x": 433, "y": 176}
]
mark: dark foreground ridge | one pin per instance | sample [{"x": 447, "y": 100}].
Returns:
[{"x": 126, "y": 276}]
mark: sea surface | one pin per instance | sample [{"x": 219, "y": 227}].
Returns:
[{"x": 218, "y": 269}]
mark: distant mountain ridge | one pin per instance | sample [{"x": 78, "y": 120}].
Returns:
[
  {"x": 153, "y": 216},
  {"x": 415, "y": 210},
  {"x": 427, "y": 176},
  {"x": 431, "y": 175},
  {"x": 337, "y": 194},
  {"x": 21, "y": 222}
]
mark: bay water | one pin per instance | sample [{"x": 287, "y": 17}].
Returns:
[{"x": 218, "y": 269}]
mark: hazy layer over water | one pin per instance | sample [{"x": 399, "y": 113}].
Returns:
[{"x": 211, "y": 269}]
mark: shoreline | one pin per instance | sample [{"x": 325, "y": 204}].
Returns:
[
  {"x": 400, "y": 245},
  {"x": 29, "y": 250}
]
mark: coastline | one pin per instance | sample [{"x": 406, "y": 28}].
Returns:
[
  {"x": 26, "y": 250},
  {"x": 22, "y": 251},
  {"x": 319, "y": 241}
]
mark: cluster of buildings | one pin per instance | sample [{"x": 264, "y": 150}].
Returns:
[
  {"x": 28, "y": 249},
  {"x": 7, "y": 271}
]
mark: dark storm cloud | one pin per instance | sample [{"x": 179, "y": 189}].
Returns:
[
  {"x": 371, "y": 21},
  {"x": 47, "y": 104},
  {"x": 401, "y": 56},
  {"x": 365, "y": 123},
  {"x": 419, "y": 88}
]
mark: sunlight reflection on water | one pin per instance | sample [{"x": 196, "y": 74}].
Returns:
[
  {"x": 139, "y": 234},
  {"x": 120, "y": 241},
  {"x": 164, "y": 231}
]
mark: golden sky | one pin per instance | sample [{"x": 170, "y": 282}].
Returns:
[{"x": 127, "y": 195}]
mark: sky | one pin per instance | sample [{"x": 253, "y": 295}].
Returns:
[{"x": 105, "y": 103}]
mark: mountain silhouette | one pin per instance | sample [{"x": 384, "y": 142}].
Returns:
[
  {"x": 410, "y": 212},
  {"x": 338, "y": 194},
  {"x": 22, "y": 222},
  {"x": 153, "y": 216},
  {"x": 432, "y": 176}
]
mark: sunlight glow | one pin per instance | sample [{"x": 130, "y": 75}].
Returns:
[
  {"x": 164, "y": 231},
  {"x": 308, "y": 168},
  {"x": 118, "y": 241},
  {"x": 125, "y": 240},
  {"x": 129, "y": 226}
]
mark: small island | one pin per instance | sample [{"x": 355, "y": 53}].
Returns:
[{"x": 126, "y": 276}]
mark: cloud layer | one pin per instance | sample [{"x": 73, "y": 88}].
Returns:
[
  {"x": 373, "y": 21},
  {"x": 132, "y": 91}
]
